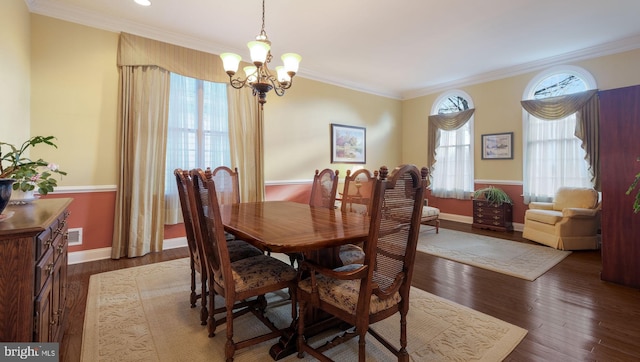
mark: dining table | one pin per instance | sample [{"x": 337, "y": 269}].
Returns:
[{"x": 291, "y": 227}]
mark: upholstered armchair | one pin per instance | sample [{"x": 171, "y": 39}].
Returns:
[{"x": 570, "y": 222}]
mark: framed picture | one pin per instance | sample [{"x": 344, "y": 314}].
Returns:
[
  {"x": 497, "y": 146},
  {"x": 348, "y": 144}
]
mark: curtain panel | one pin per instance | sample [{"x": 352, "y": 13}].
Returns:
[
  {"x": 586, "y": 106},
  {"x": 447, "y": 122},
  {"x": 139, "y": 225}
]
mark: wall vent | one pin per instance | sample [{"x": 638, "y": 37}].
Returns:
[{"x": 75, "y": 236}]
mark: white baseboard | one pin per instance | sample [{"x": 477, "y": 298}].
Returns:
[{"x": 85, "y": 256}]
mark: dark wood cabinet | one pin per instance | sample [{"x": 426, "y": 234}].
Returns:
[
  {"x": 491, "y": 216},
  {"x": 33, "y": 271},
  {"x": 619, "y": 151}
]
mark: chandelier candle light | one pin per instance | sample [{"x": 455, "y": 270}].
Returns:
[{"x": 258, "y": 76}]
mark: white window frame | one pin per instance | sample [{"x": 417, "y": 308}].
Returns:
[
  {"x": 547, "y": 194},
  {"x": 463, "y": 188}
]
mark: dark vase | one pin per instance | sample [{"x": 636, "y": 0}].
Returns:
[{"x": 5, "y": 192}]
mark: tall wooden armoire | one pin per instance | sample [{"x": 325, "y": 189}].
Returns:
[{"x": 619, "y": 153}]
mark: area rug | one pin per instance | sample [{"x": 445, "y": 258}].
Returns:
[
  {"x": 143, "y": 314},
  {"x": 513, "y": 258}
]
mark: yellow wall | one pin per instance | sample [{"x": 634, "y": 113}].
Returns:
[
  {"x": 298, "y": 131},
  {"x": 498, "y": 110},
  {"x": 15, "y": 75},
  {"x": 74, "y": 98}
]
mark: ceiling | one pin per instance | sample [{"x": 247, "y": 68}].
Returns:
[{"x": 399, "y": 49}]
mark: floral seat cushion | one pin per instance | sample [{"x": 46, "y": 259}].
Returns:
[
  {"x": 239, "y": 249},
  {"x": 344, "y": 293},
  {"x": 258, "y": 271}
]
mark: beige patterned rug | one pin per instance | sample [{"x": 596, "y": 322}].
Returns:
[
  {"x": 513, "y": 258},
  {"x": 143, "y": 314}
]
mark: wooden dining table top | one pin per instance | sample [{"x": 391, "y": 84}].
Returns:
[{"x": 289, "y": 227}]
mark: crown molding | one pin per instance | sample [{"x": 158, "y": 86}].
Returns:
[{"x": 93, "y": 19}]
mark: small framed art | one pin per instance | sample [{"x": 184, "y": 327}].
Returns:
[
  {"x": 348, "y": 144},
  {"x": 497, "y": 146}
]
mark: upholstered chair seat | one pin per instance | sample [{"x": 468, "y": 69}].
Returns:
[
  {"x": 570, "y": 222},
  {"x": 258, "y": 271}
]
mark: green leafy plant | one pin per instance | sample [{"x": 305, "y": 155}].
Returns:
[
  {"x": 29, "y": 174},
  {"x": 493, "y": 195},
  {"x": 634, "y": 184}
]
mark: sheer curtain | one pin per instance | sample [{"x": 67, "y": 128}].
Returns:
[
  {"x": 198, "y": 133},
  {"x": 553, "y": 158},
  {"x": 561, "y": 145},
  {"x": 451, "y": 154}
]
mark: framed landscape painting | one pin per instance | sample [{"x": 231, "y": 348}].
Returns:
[
  {"x": 497, "y": 146},
  {"x": 348, "y": 144}
]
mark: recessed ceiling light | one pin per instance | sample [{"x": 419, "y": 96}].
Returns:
[{"x": 143, "y": 2}]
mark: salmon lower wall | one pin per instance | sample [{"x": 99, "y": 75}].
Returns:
[{"x": 93, "y": 211}]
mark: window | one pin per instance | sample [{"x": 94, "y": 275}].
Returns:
[
  {"x": 198, "y": 132},
  {"x": 553, "y": 156},
  {"x": 453, "y": 168}
]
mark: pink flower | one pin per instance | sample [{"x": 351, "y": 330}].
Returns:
[
  {"x": 52, "y": 166},
  {"x": 35, "y": 178}
]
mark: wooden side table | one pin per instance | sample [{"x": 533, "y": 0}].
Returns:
[{"x": 491, "y": 216}]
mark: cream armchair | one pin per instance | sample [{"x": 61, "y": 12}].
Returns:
[{"x": 570, "y": 222}]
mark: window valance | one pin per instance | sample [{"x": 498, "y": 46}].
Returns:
[
  {"x": 134, "y": 50},
  {"x": 447, "y": 122}
]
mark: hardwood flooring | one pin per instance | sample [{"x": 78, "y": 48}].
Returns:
[{"x": 571, "y": 315}]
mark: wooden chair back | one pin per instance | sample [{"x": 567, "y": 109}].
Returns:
[
  {"x": 357, "y": 193},
  {"x": 195, "y": 253},
  {"x": 393, "y": 236},
  {"x": 382, "y": 283},
  {"x": 227, "y": 185},
  {"x": 205, "y": 237},
  {"x": 323, "y": 190}
]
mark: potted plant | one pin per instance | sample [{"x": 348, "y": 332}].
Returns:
[
  {"x": 29, "y": 175},
  {"x": 493, "y": 195}
]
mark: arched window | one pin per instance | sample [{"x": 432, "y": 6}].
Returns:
[
  {"x": 451, "y": 124},
  {"x": 553, "y": 156}
]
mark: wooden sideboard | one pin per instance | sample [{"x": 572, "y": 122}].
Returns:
[
  {"x": 33, "y": 271},
  {"x": 490, "y": 216}
]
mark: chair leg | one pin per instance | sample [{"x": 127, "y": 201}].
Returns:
[
  {"x": 211, "y": 322},
  {"x": 300, "y": 342},
  {"x": 204, "y": 313},
  {"x": 362, "y": 350},
  {"x": 229, "y": 347},
  {"x": 403, "y": 356},
  {"x": 437, "y": 226},
  {"x": 193, "y": 297}
]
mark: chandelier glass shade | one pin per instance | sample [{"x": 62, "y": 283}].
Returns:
[{"x": 258, "y": 76}]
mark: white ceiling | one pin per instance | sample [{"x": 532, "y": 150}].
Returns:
[{"x": 399, "y": 49}]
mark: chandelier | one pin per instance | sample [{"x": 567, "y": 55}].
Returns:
[{"x": 258, "y": 76}]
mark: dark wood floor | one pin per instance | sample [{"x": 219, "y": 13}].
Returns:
[{"x": 571, "y": 315}]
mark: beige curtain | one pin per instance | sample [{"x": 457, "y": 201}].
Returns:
[
  {"x": 245, "y": 140},
  {"x": 143, "y": 111},
  {"x": 587, "y": 109},
  {"x": 447, "y": 122},
  {"x": 139, "y": 219}
]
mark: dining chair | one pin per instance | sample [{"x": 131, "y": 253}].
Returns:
[
  {"x": 323, "y": 194},
  {"x": 241, "y": 280},
  {"x": 227, "y": 187},
  {"x": 357, "y": 196},
  {"x": 196, "y": 260},
  {"x": 361, "y": 295},
  {"x": 323, "y": 189},
  {"x": 238, "y": 249}
]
